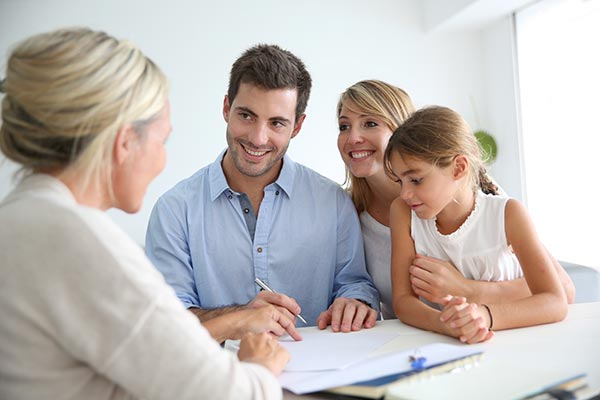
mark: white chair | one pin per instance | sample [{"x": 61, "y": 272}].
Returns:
[{"x": 586, "y": 281}]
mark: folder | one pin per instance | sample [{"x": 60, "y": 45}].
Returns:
[
  {"x": 379, "y": 387},
  {"x": 374, "y": 375}
]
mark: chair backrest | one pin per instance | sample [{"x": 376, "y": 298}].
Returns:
[{"x": 586, "y": 281}]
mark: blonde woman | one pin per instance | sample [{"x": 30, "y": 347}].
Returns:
[
  {"x": 84, "y": 313},
  {"x": 368, "y": 112}
]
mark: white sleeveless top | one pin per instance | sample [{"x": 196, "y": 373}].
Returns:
[
  {"x": 378, "y": 255},
  {"x": 479, "y": 248}
]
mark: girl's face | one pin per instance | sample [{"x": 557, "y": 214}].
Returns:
[
  {"x": 362, "y": 141},
  {"x": 426, "y": 188}
]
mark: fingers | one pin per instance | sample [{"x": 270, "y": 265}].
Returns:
[
  {"x": 371, "y": 319},
  {"x": 475, "y": 332},
  {"x": 466, "y": 321},
  {"x": 288, "y": 326},
  {"x": 276, "y": 299},
  {"x": 337, "y": 311},
  {"x": 324, "y": 319},
  {"x": 452, "y": 306},
  {"x": 264, "y": 350},
  {"x": 347, "y": 315},
  {"x": 446, "y": 299},
  {"x": 418, "y": 278},
  {"x": 428, "y": 284},
  {"x": 463, "y": 316}
]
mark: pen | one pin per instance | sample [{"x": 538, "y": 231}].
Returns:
[{"x": 266, "y": 287}]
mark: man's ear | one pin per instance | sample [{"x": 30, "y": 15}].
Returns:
[
  {"x": 124, "y": 143},
  {"x": 460, "y": 166},
  {"x": 298, "y": 125},
  {"x": 226, "y": 108}
]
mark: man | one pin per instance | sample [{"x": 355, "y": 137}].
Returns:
[{"x": 254, "y": 213}]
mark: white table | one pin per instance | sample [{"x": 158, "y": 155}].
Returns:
[{"x": 516, "y": 361}]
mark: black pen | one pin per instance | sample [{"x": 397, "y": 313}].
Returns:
[{"x": 266, "y": 287}]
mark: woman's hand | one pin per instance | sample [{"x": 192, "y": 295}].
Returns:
[{"x": 264, "y": 350}]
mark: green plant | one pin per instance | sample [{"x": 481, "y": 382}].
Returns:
[{"x": 489, "y": 149}]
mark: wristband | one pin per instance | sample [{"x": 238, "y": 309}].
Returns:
[{"x": 490, "y": 314}]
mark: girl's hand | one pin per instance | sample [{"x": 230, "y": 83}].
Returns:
[
  {"x": 264, "y": 350},
  {"x": 433, "y": 279},
  {"x": 466, "y": 321}
]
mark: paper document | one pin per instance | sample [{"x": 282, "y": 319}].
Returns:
[
  {"x": 372, "y": 368},
  {"x": 326, "y": 350}
]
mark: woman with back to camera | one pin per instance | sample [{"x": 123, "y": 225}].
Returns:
[
  {"x": 368, "y": 112},
  {"x": 85, "y": 315}
]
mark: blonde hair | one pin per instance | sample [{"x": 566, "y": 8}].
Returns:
[
  {"x": 437, "y": 135},
  {"x": 67, "y": 93},
  {"x": 381, "y": 100}
]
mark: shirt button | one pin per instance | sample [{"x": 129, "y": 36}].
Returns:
[
  {"x": 259, "y": 249},
  {"x": 277, "y": 193},
  {"x": 246, "y": 210}
]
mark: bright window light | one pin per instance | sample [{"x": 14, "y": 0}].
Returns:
[{"x": 558, "y": 45}]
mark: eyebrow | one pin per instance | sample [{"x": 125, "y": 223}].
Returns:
[
  {"x": 410, "y": 171},
  {"x": 249, "y": 111},
  {"x": 246, "y": 110},
  {"x": 359, "y": 116}
]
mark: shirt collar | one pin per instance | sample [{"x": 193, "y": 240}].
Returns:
[
  {"x": 287, "y": 175},
  {"x": 218, "y": 183}
]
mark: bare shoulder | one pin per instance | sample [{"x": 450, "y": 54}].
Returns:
[
  {"x": 515, "y": 212},
  {"x": 400, "y": 215},
  {"x": 399, "y": 209},
  {"x": 518, "y": 224}
]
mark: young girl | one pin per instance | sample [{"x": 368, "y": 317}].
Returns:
[{"x": 455, "y": 214}]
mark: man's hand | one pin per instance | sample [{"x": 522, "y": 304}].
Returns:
[
  {"x": 347, "y": 315},
  {"x": 434, "y": 279},
  {"x": 285, "y": 304},
  {"x": 265, "y": 319},
  {"x": 236, "y": 324}
]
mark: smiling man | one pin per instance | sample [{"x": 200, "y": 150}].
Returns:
[{"x": 255, "y": 213}]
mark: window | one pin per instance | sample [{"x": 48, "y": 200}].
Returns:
[{"x": 558, "y": 44}]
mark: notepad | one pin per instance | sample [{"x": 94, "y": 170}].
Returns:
[{"x": 389, "y": 366}]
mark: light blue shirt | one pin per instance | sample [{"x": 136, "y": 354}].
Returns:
[{"x": 307, "y": 241}]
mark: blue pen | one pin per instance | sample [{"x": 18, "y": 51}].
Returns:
[{"x": 266, "y": 287}]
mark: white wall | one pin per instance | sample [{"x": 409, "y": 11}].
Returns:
[
  {"x": 341, "y": 41},
  {"x": 502, "y": 108}
]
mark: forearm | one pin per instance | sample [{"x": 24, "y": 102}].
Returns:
[
  {"x": 542, "y": 308},
  {"x": 412, "y": 311},
  {"x": 496, "y": 292},
  {"x": 217, "y": 321},
  {"x": 221, "y": 328}
]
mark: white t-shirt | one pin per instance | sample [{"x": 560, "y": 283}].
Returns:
[
  {"x": 86, "y": 316},
  {"x": 378, "y": 254},
  {"x": 479, "y": 248}
]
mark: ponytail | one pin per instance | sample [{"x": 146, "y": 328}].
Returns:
[{"x": 486, "y": 184}]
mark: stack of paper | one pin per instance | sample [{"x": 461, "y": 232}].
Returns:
[{"x": 324, "y": 361}]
